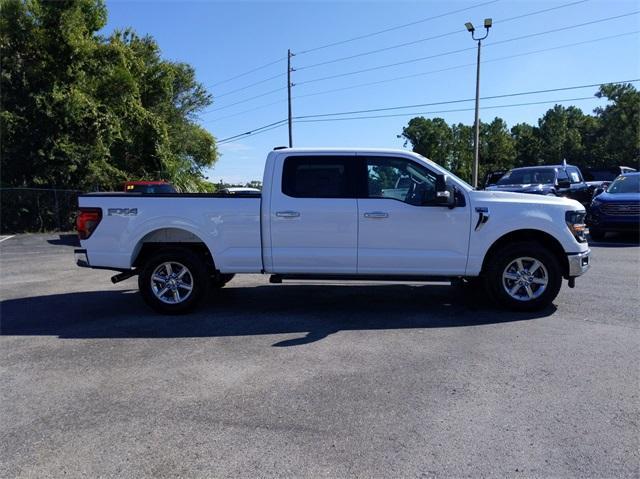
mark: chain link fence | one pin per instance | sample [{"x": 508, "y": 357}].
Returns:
[{"x": 29, "y": 210}]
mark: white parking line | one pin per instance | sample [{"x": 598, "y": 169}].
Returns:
[{"x": 4, "y": 238}]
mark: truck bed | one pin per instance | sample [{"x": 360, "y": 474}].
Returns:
[{"x": 227, "y": 224}]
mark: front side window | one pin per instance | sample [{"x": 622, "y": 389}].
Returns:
[
  {"x": 400, "y": 179},
  {"x": 318, "y": 177}
]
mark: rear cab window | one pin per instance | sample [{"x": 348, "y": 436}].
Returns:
[{"x": 319, "y": 177}]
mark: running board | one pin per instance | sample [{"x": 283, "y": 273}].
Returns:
[
  {"x": 124, "y": 275},
  {"x": 278, "y": 278}
]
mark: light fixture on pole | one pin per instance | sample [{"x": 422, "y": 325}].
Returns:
[{"x": 476, "y": 142}]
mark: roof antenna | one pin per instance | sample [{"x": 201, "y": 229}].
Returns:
[{"x": 564, "y": 163}]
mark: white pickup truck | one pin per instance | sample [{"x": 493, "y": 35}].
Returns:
[{"x": 338, "y": 214}]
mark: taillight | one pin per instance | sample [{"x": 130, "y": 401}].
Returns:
[{"x": 87, "y": 221}]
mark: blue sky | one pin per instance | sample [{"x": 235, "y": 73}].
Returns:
[{"x": 224, "y": 39}]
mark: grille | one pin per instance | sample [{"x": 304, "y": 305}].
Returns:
[{"x": 621, "y": 209}]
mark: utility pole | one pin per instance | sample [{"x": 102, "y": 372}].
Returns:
[
  {"x": 476, "y": 141},
  {"x": 289, "y": 85}
]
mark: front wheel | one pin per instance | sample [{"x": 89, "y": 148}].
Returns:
[
  {"x": 523, "y": 276},
  {"x": 173, "y": 281}
]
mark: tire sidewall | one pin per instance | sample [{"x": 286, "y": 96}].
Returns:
[
  {"x": 503, "y": 258},
  {"x": 194, "y": 264}
]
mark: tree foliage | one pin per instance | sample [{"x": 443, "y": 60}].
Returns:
[
  {"x": 79, "y": 110},
  {"x": 609, "y": 137}
]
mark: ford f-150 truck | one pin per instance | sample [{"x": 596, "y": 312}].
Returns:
[{"x": 338, "y": 214}]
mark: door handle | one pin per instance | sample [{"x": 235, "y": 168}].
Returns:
[
  {"x": 376, "y": 214},
  {"x": 287, "y": 214}
]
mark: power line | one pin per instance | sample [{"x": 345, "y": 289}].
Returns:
[
  {"x": 397, "y": 27},
  {"x": 247, "y": 72},
  {"x": 275, "y": 127},
  {"x": 430, "y": 72},
  {"x": 420, "y": 58},
  {"x": 492, "y": 97},
  {"x": 270, "y": 92},
  {"x": 435, "y": 37},
  {"x": 444, "y": 111},
  {"x": 414, "y": 60},
  {"x": 253, "y": 70},
  {"x": 309, "y": 118},
  {"x": 413, "y": 75},
  {"x": 251, "y": 85},
  {"x": 253, "y": 131},
  {"x": 245, "y": 111}
]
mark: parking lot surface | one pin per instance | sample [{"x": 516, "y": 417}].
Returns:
[{"x": 312, "y": 380}]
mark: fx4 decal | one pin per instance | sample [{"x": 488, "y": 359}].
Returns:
[{"x": 122, "y": 212}]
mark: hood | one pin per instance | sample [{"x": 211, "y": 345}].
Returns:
[
  {"x": 534, "y": 188},
  {"x": 525, "y": 198},
  {"x": 616, "y": 197}
]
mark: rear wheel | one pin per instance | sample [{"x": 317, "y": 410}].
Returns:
[
  {"x": 173, "y": 281},
  {"x": 524, "y": 277}
]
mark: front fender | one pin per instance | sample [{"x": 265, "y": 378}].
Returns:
[{"x": 504, "y": 220}]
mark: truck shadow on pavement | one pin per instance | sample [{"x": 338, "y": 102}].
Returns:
[{"x": 316, "y": 311}]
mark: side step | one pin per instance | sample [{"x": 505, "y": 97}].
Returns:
[
  {"x": 278, "y": 278},
  {"x": 124, "y": 275}
]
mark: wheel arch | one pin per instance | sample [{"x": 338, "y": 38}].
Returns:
[
  {"x": 163, "y": 238},
  {"x": 535, "y": 235}
]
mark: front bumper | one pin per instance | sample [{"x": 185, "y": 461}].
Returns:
[
  {"x": 579, "y": 263},
  {"x": 81, "y": 258}
]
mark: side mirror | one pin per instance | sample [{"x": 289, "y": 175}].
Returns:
[
  {"x": 564, "y": 184},
  {"x": 599, "y": 190},
  {"x": 445, "y": 194}
]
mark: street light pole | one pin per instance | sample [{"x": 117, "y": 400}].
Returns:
[{"x": 476, "y": 141}]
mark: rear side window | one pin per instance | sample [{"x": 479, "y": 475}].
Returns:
[{"x": 319, "y": 177}]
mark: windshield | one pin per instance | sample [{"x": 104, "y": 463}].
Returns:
[
  {"x": 529, "y": 176},
  {"x": 625, "y": 184}
]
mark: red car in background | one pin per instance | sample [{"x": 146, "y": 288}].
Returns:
[{"x": 148, "y": 187}]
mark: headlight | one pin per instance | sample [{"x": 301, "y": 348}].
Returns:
[{"x": 575, "y": 223}]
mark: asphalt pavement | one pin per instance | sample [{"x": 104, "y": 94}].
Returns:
[{"x": 314, "y": 380}]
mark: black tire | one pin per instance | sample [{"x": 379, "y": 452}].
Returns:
[
  {"x": 196, "y": 277},
  {"x": 499, "y": 262},
  {"x": 221, "y": 279},
  {"x": 596, "y": 234}
]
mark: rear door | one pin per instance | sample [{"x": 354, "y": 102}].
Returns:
[{"x": 313, "y": 215}]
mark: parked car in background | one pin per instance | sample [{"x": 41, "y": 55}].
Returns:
[
  {"x": 240, "y": 190},
  {"x": 617, "y": 209},
  {"x": 552, "y": 180},
  {"x": 599, "y": 179},
  {"x": 148, "y": 187},
  {"x": 493, "y": 177}
]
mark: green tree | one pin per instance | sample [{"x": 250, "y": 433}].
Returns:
[
  {"x": 497, "y": 147},
  {"x": 82, "y": 111},
  {"x": 527, "y": 144},
  {"x": 430, "y": 137},
  {"x": 618, "y": 138}
]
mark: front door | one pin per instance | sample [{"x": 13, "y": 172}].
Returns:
[
  {"x": 314, "y": 217},
  {"x": 401, "y": 228}
]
